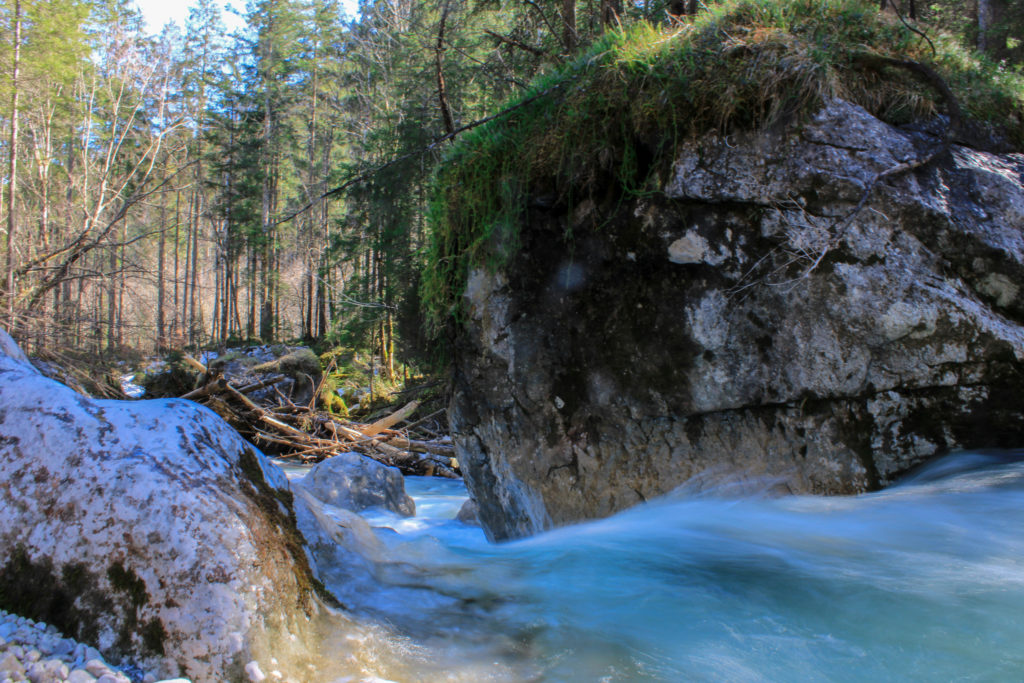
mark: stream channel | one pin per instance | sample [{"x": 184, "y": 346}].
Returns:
[{"x": 922, "y": 581}]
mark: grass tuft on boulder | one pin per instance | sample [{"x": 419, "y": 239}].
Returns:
[{"x": 609, "y": 123}]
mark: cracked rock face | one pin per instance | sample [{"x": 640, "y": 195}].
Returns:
[
  {"x": 149, "y": 530},
  {"x": 746, "y": 321}
]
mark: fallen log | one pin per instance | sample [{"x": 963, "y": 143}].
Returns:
[
  {"x": 295, "y": 431},
  {"x": 193, "y": 363},
  {"x": 403, "y": 459},
  {"x": 262, "y": 384},
  {"x": 433, "y": 447},
  {"x": 422, "y": 420},
  {"x": 389, "y": 421},
  {"x": 214, "y": 387}
]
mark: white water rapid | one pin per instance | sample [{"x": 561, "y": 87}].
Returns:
[{"x": 923, "y": 581}]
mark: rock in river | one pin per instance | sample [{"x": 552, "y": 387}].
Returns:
[
  {"x": 356, "y": 482},
  {"x": 748, "y": 318}
]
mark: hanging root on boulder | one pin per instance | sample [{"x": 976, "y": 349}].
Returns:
[{"x": 835, "y": 232}]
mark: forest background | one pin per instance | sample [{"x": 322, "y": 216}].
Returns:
[{"x": 204, "y": 188}]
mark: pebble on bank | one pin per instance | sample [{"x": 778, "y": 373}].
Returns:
[{"x": 37, "y": 652}]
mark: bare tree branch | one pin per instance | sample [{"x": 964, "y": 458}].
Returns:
[{"x": 515, "y": 43}]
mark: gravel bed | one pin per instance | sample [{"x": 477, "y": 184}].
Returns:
[{"x": 37, "y": 652}]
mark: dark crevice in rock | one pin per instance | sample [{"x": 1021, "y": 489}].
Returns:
[{"x": 72, "y": 598}]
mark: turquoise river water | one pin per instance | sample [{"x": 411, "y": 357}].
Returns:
[{"x": 923, "y": 581}]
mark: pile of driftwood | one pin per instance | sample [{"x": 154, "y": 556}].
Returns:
[{"x": 307, "y": 434}]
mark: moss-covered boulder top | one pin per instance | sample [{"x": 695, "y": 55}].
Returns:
[{"x": 608, "y": 124}]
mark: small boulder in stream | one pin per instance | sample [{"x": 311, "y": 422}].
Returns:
[{"x": 356, "y": 482}]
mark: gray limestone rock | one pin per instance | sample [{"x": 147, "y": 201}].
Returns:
[
  {"x": 149, "y": 529},
  {"x": 747, "y": 321},
  {"x": 10, "y": 665},
  {"x": 469, "y": 513},
  {"x": 356, "y": 482}
]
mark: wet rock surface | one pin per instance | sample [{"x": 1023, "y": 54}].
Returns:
[
  {"x": 148, "y": 530},
  {"x": 748, "y": 318},
  {"x": 355, "y": 482}
]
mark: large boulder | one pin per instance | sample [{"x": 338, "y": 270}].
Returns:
[
  {"x": 149, "y": 530},
  {"x": 355, "y": 482},
  {"x": 754, "y": 316}
]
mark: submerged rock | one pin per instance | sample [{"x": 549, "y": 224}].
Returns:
[
  {"x": 149, "y": 530},
  {"x": 469, "y": 513},
  {"x": 356, "y": 482},
  {"x": 748, "y": 318}
]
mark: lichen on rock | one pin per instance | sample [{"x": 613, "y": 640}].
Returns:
[{"x": 149, "y": 530}]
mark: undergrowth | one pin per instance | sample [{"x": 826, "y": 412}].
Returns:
[
  {"x": 618, "y": 113},
  {"x": 355, "y": 385}
]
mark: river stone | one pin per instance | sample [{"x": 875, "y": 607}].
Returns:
[
  {"x": 734, "y": 324},
  {"x": 149, "y": 530},
  {"x": 356, "y": 482},
  {"x": 10, "y": 665},
  {"x": 469, "y": 513}
]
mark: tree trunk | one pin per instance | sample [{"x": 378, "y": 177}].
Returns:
[
  {"x": 984, "y": 22},
  {"x": 569, "y": 37},
  {"x": 12, "y": 169},
  {"x": 251, "y": 284},
  {"x": 111, "y": 298},
  {"x": 442, "y": 91},
  {"x": 177, "y": 244},
  {"x": 161, "y": 316},
  {"x": 121, "y": 283},
  {"x": 610, "y": 12},
  {"x": 186, "y": 325},
  {"x": 194, "y": 276}
]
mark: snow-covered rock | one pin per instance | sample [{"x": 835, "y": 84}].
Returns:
[
  {"x": 148, "y": 529},
  {"x": 356, "y": 482}
]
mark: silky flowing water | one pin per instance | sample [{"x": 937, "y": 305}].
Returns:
[{"x": 922, "y": 581}]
